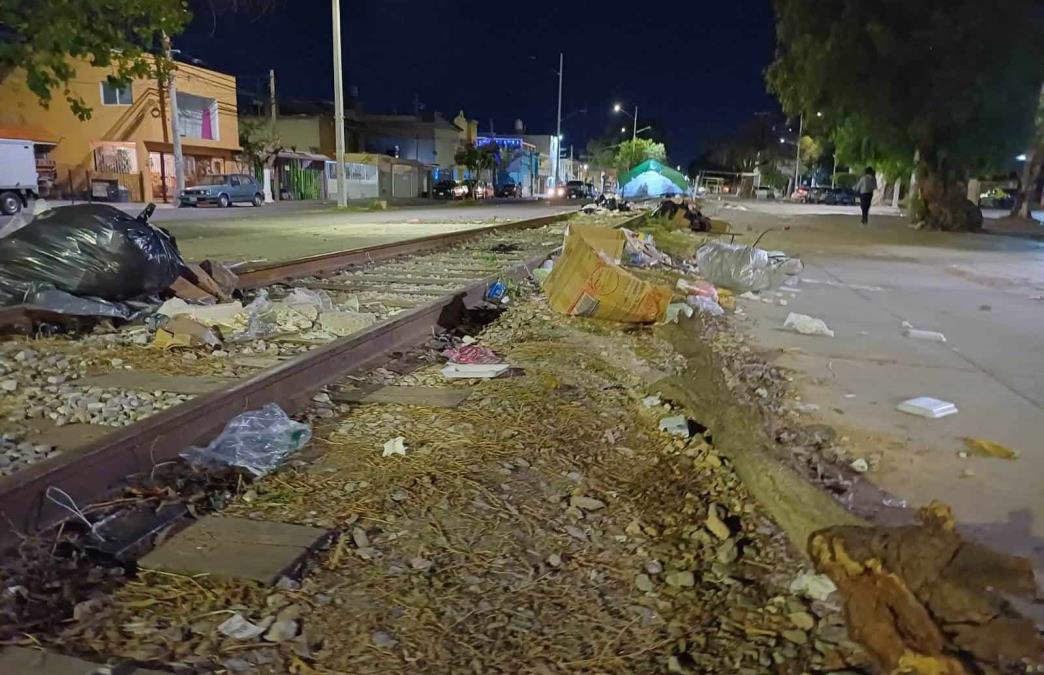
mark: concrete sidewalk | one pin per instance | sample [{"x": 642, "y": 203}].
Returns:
[{"x": 985, "y": 293}]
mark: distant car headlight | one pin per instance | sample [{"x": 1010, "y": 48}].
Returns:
[{"x": 561, "y": 192}]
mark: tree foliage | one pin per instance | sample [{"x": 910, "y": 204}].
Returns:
[
  {"x": 46, "y": 37},
  {"x": 116, "y": 34},
  {"x": 955, "y": 80},
  {"x": 632, "y": 153},
  {"x": 260, "y": 143}
]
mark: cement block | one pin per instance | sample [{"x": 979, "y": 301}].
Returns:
[{"x": 236, "y": 548}]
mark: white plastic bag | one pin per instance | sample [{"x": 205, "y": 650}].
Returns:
[
  {"x": 258, "y": 441},
  {"x": 744, "y": 268}
]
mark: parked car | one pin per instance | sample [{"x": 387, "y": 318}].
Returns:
[
  {"x": 449, "y": 189},
  {"x": 840, "y": 196},
  {"x": 509, "y": 190},
  {"x": 224, "y": 190},
  {"x": 478, "y": 189},
  {"x": 800, "y": 195},
  {"x": 578, "y": 189}
]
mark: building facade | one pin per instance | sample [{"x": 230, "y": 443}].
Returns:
[{"x": 127, "y": 139}]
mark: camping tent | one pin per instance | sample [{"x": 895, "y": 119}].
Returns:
[{"x": 652, "y": 179}]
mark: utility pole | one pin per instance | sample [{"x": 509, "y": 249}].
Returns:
[
  {"x": 634, "y": 131},
  {"x": 342, "y": 187},
  {"x": 273, "y": 112},
  {"x": 558, "y": 132},
  {"x": 175, "y": 132},
  {"x": 797, "y": 157}
]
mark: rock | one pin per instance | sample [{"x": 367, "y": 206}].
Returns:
[
  {"x": 802, "y": 620},
  {"x": 860, "y": 465},
  {"x": 728, "y": 552},
  {"x": 643, "y": 583},
  {"x": 653, "y": 567},
  {"x": 576, "y": 533},
  {"x": 420, "y": 564},
  {"x": 681, "y": 579},
  {"x": 281, "y": 631},
  {"x": 796, "y": 636},
  {"x": 586, "y": 503},
  {"x": 9, "y": 385},
  {"x": 715, "y": 524},
  {"x": 383, "y": 640},
  {"x": 360, "y": 538}
]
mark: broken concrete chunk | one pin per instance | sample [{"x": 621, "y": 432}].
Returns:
[
  {"x": 715, "y": 524},
  {"x": 682, "y": 579},
  {"x": 586, "y": 503}
]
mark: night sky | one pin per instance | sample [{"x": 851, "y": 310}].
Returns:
[{"x": 695, "y": 67}]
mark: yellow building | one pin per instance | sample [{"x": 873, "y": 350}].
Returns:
[{"x": 128, "y": 138}]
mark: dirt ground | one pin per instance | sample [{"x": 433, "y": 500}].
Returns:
[{"x": 545, "y": 525}]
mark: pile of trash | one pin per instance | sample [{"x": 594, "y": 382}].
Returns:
[
  {"x": 606, "y": 204},
  {"x": 303, "y": 311},
  {"x": 87, "y": 259},
  {"x": 685, "y": 212}
]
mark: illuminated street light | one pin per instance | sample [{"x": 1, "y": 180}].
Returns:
[
  {"x": 819, "y": 114},
  {"x": 1021, "y": 158},
  {"x": 617, "y": 108},
  {"x": 623, "y": 130},
  {"x": 782, "y": 140}
]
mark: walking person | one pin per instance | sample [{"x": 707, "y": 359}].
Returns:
[{"x": 865, "y": 187}]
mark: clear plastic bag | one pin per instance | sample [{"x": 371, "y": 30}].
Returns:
[
  {"x": 705, "y": 305},
  {"x": 261, "y": 317},
  {"x": 91, "y": 250},
  {"x": 319, "y": 299},
  {"x": 744, "y": 268},
  {"x": 258, "y": 441}
]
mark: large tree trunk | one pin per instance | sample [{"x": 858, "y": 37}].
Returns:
[
  {"x": 944, "y": 205},
  {"x": 1028, "y": 192}
]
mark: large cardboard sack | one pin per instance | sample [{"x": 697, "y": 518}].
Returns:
[{"x": 587, "y": 281}]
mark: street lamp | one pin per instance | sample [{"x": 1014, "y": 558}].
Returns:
[
  {"x": 619, "y": 108},
  {"x": 623, "y": 130}
]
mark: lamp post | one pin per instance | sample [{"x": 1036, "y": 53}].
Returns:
[
  {"x": 558, "y": 131},
  {"x": 620, "y": 108}
]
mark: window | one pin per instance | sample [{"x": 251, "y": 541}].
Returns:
[
  {"x": 234, "y": 181},
  {"x": 115, "y": 95}
]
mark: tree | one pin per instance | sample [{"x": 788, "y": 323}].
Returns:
[
  {"x": 476, "y": 159},
  {"x": 45, "y": 37},
  {"x": 1033, "y": 166},
  {"x": 632, "y": 153},
  {"x": 950, "y": 80}
]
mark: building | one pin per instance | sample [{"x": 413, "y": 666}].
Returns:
[
  {"x": 520, "y": 162},
  {"x": 547, "y": 149},
  {"x": 427, "y": 138},
  {"x": 127, "y": 139}
]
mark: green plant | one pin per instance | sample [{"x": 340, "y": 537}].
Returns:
[{"x": 632, "y": 153}]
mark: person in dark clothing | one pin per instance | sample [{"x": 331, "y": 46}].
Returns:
[{"x": 865, "y": 188}]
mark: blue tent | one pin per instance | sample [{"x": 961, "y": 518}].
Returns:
[{"x": 652, "y": 179}]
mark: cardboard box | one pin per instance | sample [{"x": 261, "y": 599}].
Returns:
[{"x": 587, "y": 281}]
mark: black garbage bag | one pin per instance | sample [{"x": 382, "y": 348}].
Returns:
[{"x": 88, "y": 250}]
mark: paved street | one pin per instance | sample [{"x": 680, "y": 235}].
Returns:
[
  {"x": 984, "y": 292},
  {"x": 296, "y": 229}
]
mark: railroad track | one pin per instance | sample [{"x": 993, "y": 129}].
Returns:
[{"x": 438, "y": 287}]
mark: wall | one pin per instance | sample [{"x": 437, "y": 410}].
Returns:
[
  {"x": 302, "y": 133},
  {"x": 138, "y": 123}
]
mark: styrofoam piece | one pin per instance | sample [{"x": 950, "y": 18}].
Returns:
[
  {"x": 926, "y": 406},
  {"x": 458, "y": 371},
  {"x": 929, "y": 335}
]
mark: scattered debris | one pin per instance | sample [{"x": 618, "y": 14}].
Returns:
[
  {"x": 860, "y": 465},
  {"x": 981, "y": 446},
  {"x": 257, "y": 441},
  {"x": 813, "y": 586},
  {"x": 926, "y": 406},
  {"x": 472, "y": 354},
  {"x": 676, "y": 310},
  {"x": 807, "y": 325},
  {"x": 184, "y": 332},
  {"x": 396, "y": 446},
  {"x": 678, "y": 425},
  {"x": 929, "y": 335},
  {"x": 240, "y": 629},
  {"x": 482, "y": 371},
  {"x": 705, "y": 305}
]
